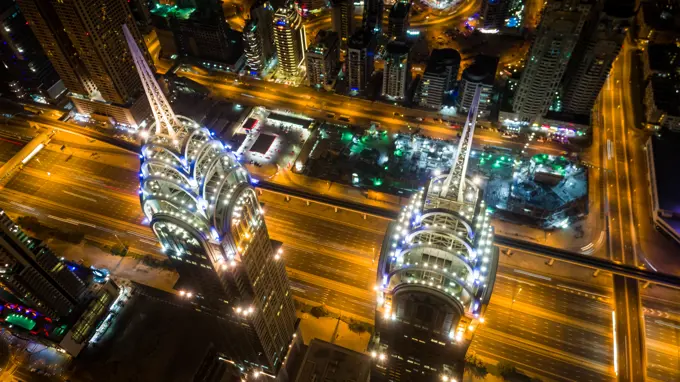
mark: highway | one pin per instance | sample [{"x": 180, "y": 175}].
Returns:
[{"x": 330, "y": 259}]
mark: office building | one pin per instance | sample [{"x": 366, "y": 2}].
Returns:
[
  {"x": 204, "y": 34},
  {"x": 662, "y": 103},
  {"x": 435, "y": 276},
  {"x": 43, "y": 298},
  {"x": 360, "y": 59},
  {"x": 26, "y": 70},
  {"x": 398, "y": 20},
  {"x": 262, "y": 14},
  {"x": 83, "y": 41},
  {"x": 210, "y": 224},
  {"x": 34, "y": 275},
  {"x": 323, "y": 58},
  {"x": 373, "y": 15},
  {"x": 591, "y": 67},
  {"x": 439, "y": 77},
  {"x": 481, "y": 73},
  {"x": 252, "y": 43},
  {"x": 290, "y": 39},
  {"x": 342, "y": 16},
  {"x": 494, "y": 13},
  {"x": 397, "y": 72},
  {"x": 556, "y": 38}
]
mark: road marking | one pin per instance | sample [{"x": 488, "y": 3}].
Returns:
[
  {"x": 532, "y": 274},
  {"x": 583, "y": 291},
  {"x": 94, "y": 193},
  {"x": 668, "y": 324},
  {"x": 514, "y": 279},
  {"x": 79, "y": 196},
  {"x": 71, "y": 221},
  {"x": 23, "y": 206}
]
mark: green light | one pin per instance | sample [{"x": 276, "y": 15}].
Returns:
[
  {"x": 377, "y": 182},
  {"x": 21, "y": 321}
]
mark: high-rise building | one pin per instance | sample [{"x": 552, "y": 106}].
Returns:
[
  {"x": 556, "y": 38},
  {"x": 83, "y": 40},
  {"x": 290, "y": 39},
  {"x": 360, "y": 59},
  {"x": 398, "y": 21},
  {"x": 604, "y": 39},
  {"x": 435, "y": 276},
  {"x": 141, "y": 14},
  {"x": 439, "y": 77},
  {"x": 26, "y": 70},
  {"x": 397, "y": 72},
  {"x": 322, "y": 59},
  {"x": 343, "y": 19},
  {"x": 34, "y": 275},
  {"x": 205, "y": 35},
  {"x": 482, "y": 74},
  {"x": 252, "y": 43},
  {"x": 211, "y": 226},
  {"x": 494, "y": 13},
  {"x": 262, "y": 14},
  {"x": 373, "y": 15}
]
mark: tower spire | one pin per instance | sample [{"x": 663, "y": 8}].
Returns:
[
  {"x": 166, "y": 122},
  {"x": 455, "y": 181}
]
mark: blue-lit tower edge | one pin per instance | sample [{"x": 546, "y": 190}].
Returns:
[
  {"x": 199, "y": 202},
  {"x": 440, "y": 245}
]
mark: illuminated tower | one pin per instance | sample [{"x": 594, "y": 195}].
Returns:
[
  {"x": 435, "y": 276},
  {"x": 201, "y": 206},
  {"x": 290, "y": 39}
]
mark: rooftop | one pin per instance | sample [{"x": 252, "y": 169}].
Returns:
[
  {"x": 330, "y": 363},
  {"x": 667, "y": 94},
  {"x": 483, "y": 69},
  {"x": 660, "y": 14},
  {"x": 664, "y": 58},
  {"x": 440, "y": 59},
  {"x": 166, "y": 11},
  {"x": 666, "y": 158}
]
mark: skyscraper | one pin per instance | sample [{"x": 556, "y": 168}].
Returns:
[
  {"x": 556, "y": 38},
  {"x": 360, "y": 59},
  {"x": 398, "y": 21},
  {"x": 494, "y": 13},
  {"x": 252, "y": 43},
  {"x": 27, "y": 72},
  {"x": 373, "y": 15},
  {"x": 591, "y": 68},
  {"x": 210, "y": 224},
  {"x": 439, "y": 78},
  {"x": 397, "y": 72},
  {"x": 482, "y": 74},
  {"x": 290, "y": 39},
  {"x": 262, "y": 14},
  {"x": 34, "y": 275},
  {"x": 343, "y": 19},
  {"x": 84, "y": 42},
  {"x": 435, "y": 276},
  {"x": 322, "y": 59}
]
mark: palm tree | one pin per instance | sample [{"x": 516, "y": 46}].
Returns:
[{"x": 474, "y": 367}]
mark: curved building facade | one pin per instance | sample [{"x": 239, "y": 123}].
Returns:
[
  {"x": 199, "y": 202},
  {"x": 435, "y": 276}
]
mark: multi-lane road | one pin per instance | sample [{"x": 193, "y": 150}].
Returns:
[{"x": 330, "y": 259}]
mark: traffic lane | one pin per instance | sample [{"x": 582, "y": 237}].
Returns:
[
  {"x": 329, "y": 267},
  {"x": 324, "y": 235},
  {"x": 663, "y": 348},
  {"x": 8, "y": 148},
  {"x": 116, "y": 178},
  {"x": 332, "y": 298},
  {"x": 78, "y": 197},
  {"x": 543, "y": 332},
  {"x": 101, "y": 229},
  {"x": 566, "y": 303},
  {"x": 533, "y": 361}
]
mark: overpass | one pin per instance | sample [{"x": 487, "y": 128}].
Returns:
[{"x": 500, "y": 240}]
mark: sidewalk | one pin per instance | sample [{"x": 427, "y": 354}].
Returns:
[{"x": 17, "y": 162}]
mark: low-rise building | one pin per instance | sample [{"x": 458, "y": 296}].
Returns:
[
  {"x": 327, "y": 362},
  {"x": 658, "y": 21},
  {"x": 661, "y": 60}
]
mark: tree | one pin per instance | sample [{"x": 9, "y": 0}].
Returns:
[
  {"x": 475, "y": 367},
  {"x": 319, "y": 311},
  {"x": 506, "y": 369}
]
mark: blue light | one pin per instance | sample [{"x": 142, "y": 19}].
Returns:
[
  {"x": 355, "y": 89},
  {"x": 280, "y": 22},
  {"x": 254, "y": 181}
]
